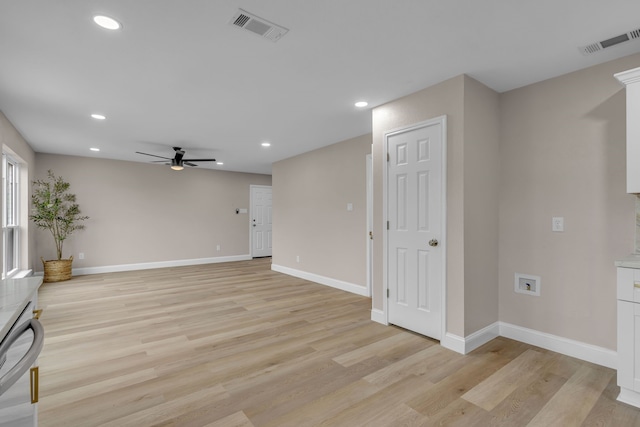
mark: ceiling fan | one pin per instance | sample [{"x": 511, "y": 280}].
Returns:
[{"x": 178, "y": 162}]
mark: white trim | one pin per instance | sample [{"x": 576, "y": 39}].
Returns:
[
  {"x": 334, "y": 283},
  {"x": 481, "y": 337},
  {"x": 21, "y": 274},
  {"x": 453, "y": 342},
  {"x": 628, "y": 77},
  {"x": 443, "y": 123},
  {"x": 369, "y": 244},
  {"x": 590, "y": 353},
  {"x": 442, "y": 120},
  {"x": 471, "y": 342},
  {"x": 151, "y": 265},
  {"x": 579, "y": 350},
  {"x": 378, "y": 316},
  {"x": 629, "y": 397}
]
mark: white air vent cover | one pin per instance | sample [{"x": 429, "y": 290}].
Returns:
[
  {"x": 598, "y": 46},
  {"x": 257, "y": 25}
]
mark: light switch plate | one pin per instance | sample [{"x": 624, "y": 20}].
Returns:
[{"x": 557, "y": 223}]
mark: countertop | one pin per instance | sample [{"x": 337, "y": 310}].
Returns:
[
  {"x": 632, "y": 261},
  {"x": 15, "y": 294}
]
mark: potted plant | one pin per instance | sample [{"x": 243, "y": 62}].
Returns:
[{"x": 56, "y": 210}]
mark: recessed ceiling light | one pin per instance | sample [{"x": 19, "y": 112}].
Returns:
[
  {"x": 361, "y": 104},
  {"x": 98, "y": 116},
  {"x": 266, "y": 144},
  {"x": 94, "y": 149},
  {"x": 220, "y": 163},
  {"x": 106, "y": 22}
]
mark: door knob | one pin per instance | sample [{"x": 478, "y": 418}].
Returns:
[{"x": 433, "y": 242}]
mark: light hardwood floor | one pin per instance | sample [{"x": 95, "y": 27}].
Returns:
[{"x": 238, "y": 345}]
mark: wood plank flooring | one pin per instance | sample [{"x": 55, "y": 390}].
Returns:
[{"x": 238, "y": 345}]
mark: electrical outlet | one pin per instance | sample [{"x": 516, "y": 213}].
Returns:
[
  {"x": 217, "y": 247},
  {"x": 81, "y": 255},
  {"x": 297, "y": 258}
]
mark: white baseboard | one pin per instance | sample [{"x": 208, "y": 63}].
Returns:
[
  {"x": 334, "y": 283},
  {"x": 470, "y": 342},
  {"x": 151, "y": 265},
  {"x": 453, "y": 343},
  {"x": 629, "y": 397},
  {"x": 579, "y": 350},
  {"x": 378, "y": 316},
  {"x": 481, "y": 337}
]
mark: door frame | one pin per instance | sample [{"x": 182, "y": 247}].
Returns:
[
  {"x": 369, "y": 246},
  {"x": 251, "y": 187},
  {"x": 442, "y": 120}
]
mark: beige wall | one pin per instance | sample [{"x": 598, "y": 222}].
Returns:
[
  {"x": 12, "y": 142},
  {"x": 446, "y": 98},
  {"x": 149, "y": 213},
  {"x": 562, "y": 151},
  {"x": 310, "y": 218},
  {"x": 481, "y": 205}
]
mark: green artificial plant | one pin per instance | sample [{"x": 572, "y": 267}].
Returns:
[{"x": 55, "y": 209}]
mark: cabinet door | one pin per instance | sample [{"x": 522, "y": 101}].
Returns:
[
  {"x": 629, "y": 345},
  {"x": 633, "y": 138}
]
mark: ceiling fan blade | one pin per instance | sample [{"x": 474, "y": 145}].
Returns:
[
  {"x": 153, "y": 155},
  {"x": 198, "y": 160},
  {"x": 184, "y": 162}
]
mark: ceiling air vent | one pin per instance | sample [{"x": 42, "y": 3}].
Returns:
[
  {"x": 598, "y": 46},
  {"x": 257, "y": 25}
]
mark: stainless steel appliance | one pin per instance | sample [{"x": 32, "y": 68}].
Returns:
[{"x": 18, "y": 376}]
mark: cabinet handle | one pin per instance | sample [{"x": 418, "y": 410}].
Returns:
[
  {"x": 37, "y": 313},
  {"x": 35, "y": 384}
]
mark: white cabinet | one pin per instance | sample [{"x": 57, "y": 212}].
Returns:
[
  {"x": 629, "y": 335},
  {"x": 631, "y": 79}
]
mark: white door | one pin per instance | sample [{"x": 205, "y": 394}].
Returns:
[
  {"x": 415, "y": 239},
  {"x": 261, "y": 208}
]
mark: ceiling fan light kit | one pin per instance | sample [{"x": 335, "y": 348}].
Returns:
[{"x": 178, "y": 162}]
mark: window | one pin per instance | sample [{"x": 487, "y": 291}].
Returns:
[{"x": 10, "y": 217}]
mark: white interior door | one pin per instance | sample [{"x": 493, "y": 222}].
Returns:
[
  {"x": 261, "y": 211},
  {"x": 415, "y": 239}
]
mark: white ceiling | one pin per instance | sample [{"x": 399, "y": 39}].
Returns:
[{"x": 179, "y": 74}]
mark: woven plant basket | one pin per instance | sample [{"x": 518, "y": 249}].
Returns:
[{"x": 57, "y": 270}]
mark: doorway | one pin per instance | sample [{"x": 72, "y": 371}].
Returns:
[
  {"x": 261, "y": 221},
  {"x": 415, "y": 244}
]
